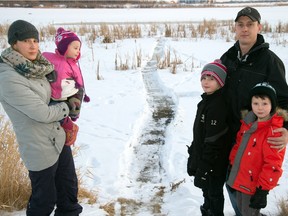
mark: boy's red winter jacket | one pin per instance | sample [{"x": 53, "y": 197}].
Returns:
[{"x": 254, "y": 162}]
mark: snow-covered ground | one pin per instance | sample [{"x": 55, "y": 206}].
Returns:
[{"x": 127, "y": 149}]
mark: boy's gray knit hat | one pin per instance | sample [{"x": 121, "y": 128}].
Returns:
[
  {"x": 217, "y": 70},
  {"x": 21, "y": 30}
]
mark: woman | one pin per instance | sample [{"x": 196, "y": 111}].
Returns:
[{"x": 25, "y": 94}]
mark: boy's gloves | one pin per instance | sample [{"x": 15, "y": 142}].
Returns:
[
  {"x": 202, "y": 175},
  {"x": 201, "y": 178},
  {"x": 259, "y": 199},
  {"x": 190, "y": 170}
]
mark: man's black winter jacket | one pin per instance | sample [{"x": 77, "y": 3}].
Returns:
[{"x": 259, "y": 65}]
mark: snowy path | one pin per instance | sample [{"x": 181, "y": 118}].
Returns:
[
  {"x": 145, "y": 149},
  {"x": 162, "y": 109}
]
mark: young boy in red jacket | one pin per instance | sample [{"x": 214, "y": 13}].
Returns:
[{"x": 256, "y": 167}]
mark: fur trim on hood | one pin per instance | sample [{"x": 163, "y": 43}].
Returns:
[{"x": 279, "y": 111}]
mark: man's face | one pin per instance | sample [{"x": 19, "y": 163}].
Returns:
[{"x": 246, "y": 30}]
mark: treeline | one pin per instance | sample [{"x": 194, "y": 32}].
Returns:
[
  {"x": 127, "y": 3},
  {"x": 82, "y": 3}
]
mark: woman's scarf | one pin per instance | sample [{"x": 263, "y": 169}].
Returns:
[{"x": 37, "y": 69}]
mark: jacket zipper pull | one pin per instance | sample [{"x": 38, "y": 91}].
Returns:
[
  {"x": 251, "y": 177},
  {"x": 254, "y": 142}
]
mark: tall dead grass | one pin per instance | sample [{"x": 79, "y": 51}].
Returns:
[
  {"x": 283, "y": 207},
  {"x": 14, "y": 181}
]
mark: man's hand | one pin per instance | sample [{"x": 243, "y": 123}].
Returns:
[{"x": 279, "y": 142}]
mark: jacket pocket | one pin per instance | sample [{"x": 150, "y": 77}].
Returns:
[{"x": 57, "y": 137}]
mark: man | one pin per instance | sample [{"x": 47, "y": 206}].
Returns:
[{"x": 249, "y": 62}]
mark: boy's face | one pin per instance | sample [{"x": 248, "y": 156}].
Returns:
[
  {"x": 261, "y": 106},
  {"x": 209, "y": 84},
  {"x": 73, "y": 50}
]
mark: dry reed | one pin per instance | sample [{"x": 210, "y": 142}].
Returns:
[
  {"x": 283, "y": 207},
  {"x": 14, "y": 181}
]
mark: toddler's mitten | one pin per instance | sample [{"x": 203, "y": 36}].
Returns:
[
  {"x": 259, "y": 199},
  {"x": 74, "y": 105},
  {"x": 86, "y": 98}
]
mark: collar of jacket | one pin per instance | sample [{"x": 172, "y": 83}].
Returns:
[
  {"x": 260, "y": 44},
  {"x": 216, "y": 93},
  {"x": 65, "y": 58},
  {"x": 276, "y": 120}
]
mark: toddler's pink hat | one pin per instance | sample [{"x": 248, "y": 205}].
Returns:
[{"x": 63, "y": 38}]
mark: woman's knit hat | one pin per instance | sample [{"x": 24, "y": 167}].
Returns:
[
  {"x": 264, "y": 89},
  {"x": 63, "y": 38},
  {"x": 21, "y": 30},
  {"x": 217, "y": 70}
]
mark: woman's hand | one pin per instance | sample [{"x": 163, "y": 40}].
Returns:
[{"x": 279, "y": 142}]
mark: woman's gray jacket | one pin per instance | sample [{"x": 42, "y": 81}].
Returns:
[{"x": 36, "y": 124}]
